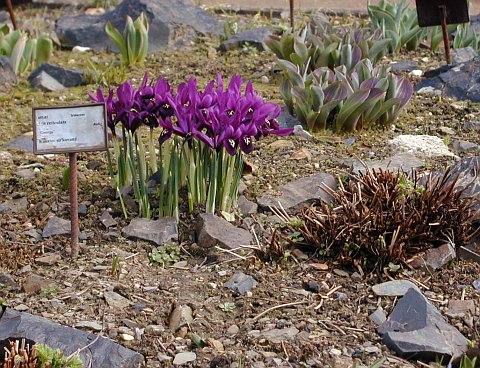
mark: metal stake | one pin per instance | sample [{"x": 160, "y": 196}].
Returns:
[
  {"x": 12, "y": 14},
  {"x": 446, "y": 39},
  {"x": 73, "y": 205},
  {"x": 291, "y": 14}
]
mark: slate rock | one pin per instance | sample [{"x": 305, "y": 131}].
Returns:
[
  {"x": 214, "y": 231},
  {"x": 405, "y": 162},
  {"x": 54, "y": 78},
  {"x": 378, "y": 317},
  {"x": 253, "y": 37},
  {"x": 393, "y": 288},
  {"x": 423, "y": 146},
  {"x": 246, "y": 207},
  {"x": 23, "y": 142},
  {"x": 416, "y": 330},
  {"x": 56, "y": 226},
  {"x": 107, "y": 220},
  {"x": 463, "y": 55},
  {"x": 115, "y": 300},
  {"x": 285, "y": 120},
  {"x": 240, "y": 283},
  {"x": 277, "y": 336},
  {"x": 474, "y": 125},
  {"x": 7, "y": 283},
  {"x": 48, "y": 259},
  {"x": 301, "y": 192},
  {"x": 181, "y": 315},
  {"x": 91, "y": 325},
  {"x": 404, "y": 66},
  {"x": 435, "y": 258},
  {"x": 184, "y": 357},
  {"x": 103, "y": 353},
  {"x": 7, "y": 75},
  {"x": 460, "y": 145},
  {"x": 168, "y": 20},
  {"x": 476, "y": 285},
  {"x": 458, "y": 81},
  {"x": 25, "y": 174},
  {"x": 458, "y": 308},
  {"x": 16, "y": 205},
  {"x": 159, "y": 232}
]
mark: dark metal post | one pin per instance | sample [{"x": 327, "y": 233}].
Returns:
[
  {"x": 73, "y": 205},
  {"x": 291, "y": 14},
  {"x": 12, "y": 14},
  {"x": 446, "y": 38}
]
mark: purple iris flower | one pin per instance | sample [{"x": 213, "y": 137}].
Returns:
[
  {"x": 99, "y": 97},
  {"x": 126, "y": 108}
]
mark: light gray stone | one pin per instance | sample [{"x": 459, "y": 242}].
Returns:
[
  {"x": 276, "y": 335},
  {"x": 462, "y": 146},
  {"x": 214, "y": 231},
  {"x": 458, "y": 308},
  {"x": 159, "y": 232},
  {"x": 107, "y": 220},
  {"x": 24, "y": 143},
  {"x": 246, "y": 207},
  {"x": 115, "y": 300},
  {"x": 48, "y": 259},
  {"x": 393, "y": 288},
  {"x": 92, "y": 325},
  {"x": 17, "y": 205},
  {"x": 416, "y": 330},
  {"x": 7, "y": 74},
  {"x": 301, "y": 192},
  {"x": 423, "y": 146},
  {"x": 462, "y": 55},
  {"x": 6, "y": 157},
  {"x": 476, "y": 285},
  {"x": 253, "y": 37},
  {"x": 240, "y": 283},
  {"x": 184, "y": 357},
  {"x": 435, "y": 258},
  {"x": 378, "y": 317},
  {"x": 56, "y": 226}
]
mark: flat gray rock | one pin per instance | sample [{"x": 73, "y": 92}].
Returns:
[
  {"x": 463, "y": 55},
  {"x": 7, "y": 75},
  {"x": 435, "y": 258},
  {"x": 278, "y": 335},
  {"x": 416, "y": 330},
  {"x": 214, "y": 231},
  {"x": 184, "y": 357},
  {"x": 404, "y": 161},
  {"x": 159, "y": 232},
  {"x": 169, "y": 22},
  {"x": 50, "y": 77},
  {"x": 17, "y": 205},
  {"x": 253, "y": 37},
  {"x": 240, "y": 283},
  {"x": 393, "y": 288},
  {"x": 301, "y": 192},
  {"x": 56, "y": 226},
  {"x": 422, "y": 146},
  {"x": 246, "y": 207},
  {"x": 23, "y": 142},
  {"x": 115, "y": 300},
  {"x": 103, "y": 353},
  {"x": 107, "y": 220}
]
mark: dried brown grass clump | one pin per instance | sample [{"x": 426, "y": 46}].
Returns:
[{"x": 383, "y": 216}]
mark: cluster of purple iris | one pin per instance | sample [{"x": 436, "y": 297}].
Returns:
[{"x": 219, "y": 116}]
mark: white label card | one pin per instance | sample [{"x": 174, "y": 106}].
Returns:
[{"x": 79, "y": 128}]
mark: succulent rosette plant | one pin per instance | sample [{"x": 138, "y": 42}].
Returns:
[{"x": 202, "y": 137}]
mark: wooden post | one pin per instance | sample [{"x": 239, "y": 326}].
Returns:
[
  {"x": 291, "y": 14},
  {"x": 12, "y": 14},
  {"x": 73, "y": 205},
  {"x": 446, "y": 36}
]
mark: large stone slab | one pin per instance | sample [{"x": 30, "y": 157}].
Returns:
[
  {"x": 460, "y": 81},
  {"x": 23, "y": 142},
  {"x": 50, "y": 77},
  {"x": 159, "y": 232},
  {"x": 300, "y": 192},
  {"x": 404, "y": 161},
  {"x": 423, "y": 146},
  {"x": 169, "y": 20},
  {"x": 214, "y": 231},
  {"x": 102, "y": 353},
  {"x": 416, "y": 330}
]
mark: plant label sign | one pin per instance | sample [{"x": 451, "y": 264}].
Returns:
[
  {"x": 69, "y": 129},
  {"x": 430, "y": 14}
]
